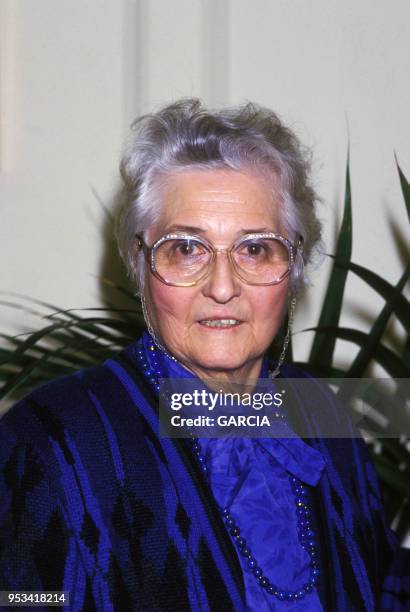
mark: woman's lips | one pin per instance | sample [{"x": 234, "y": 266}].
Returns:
[{"x": 219, "y": 323}]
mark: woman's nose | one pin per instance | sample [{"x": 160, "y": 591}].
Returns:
[{"x": 222, "y": 284}]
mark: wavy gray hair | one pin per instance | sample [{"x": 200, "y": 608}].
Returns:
[{"x": 185, "y": 135}]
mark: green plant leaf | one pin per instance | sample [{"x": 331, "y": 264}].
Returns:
[
  {"x": 405, "y": 187},
  {"x": 385, "y": 289},
  {"x": 391, "y": 362},
  {"x": 364, "y": 357},
  {"x": 399, "y": 451},
  {"x": 389, "y": 473},
  {"x": 406, "y": 352},
  {"x": 122, "y": 290},
  {"x": 323, "y": 346},
  {"x": 320, "y": 371},
  {"x": 17, "y": 380}
]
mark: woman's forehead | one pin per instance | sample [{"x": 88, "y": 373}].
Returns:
[{"x": 218, "y": 201}]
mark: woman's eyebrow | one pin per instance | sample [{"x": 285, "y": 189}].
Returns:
[
  {"x": 187, "y": 229},
  {"x": 190, "y": 229},
  {"x": 256, "y": 230}
]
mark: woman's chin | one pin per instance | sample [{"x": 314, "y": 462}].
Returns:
[{"x": 214, "y": 365}]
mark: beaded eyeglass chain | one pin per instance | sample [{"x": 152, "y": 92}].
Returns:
[{"x": 306, "y": 534}]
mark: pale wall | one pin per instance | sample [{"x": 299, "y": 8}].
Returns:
[{"x": 75, "y": 73}]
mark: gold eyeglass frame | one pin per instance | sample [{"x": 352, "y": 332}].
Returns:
[{"x": 149, "y": 253}]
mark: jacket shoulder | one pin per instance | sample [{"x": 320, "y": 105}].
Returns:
[{"x": 65, "y": 397}]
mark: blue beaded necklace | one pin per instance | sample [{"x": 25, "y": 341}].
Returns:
[{"x": 153, "y": 372}]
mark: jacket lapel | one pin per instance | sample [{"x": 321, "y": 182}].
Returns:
[{"x": 200, "y": 504}]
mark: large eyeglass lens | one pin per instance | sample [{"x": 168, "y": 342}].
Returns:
[
  {"x": 186, "y": 260},
  {"x": 181, "y": 260},
  {"x": 261, "y": 260}
]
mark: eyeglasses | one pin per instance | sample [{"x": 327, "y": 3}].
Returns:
[{"x": 183, "y": 260}]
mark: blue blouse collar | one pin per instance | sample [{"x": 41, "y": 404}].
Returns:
[{"x": 295, "y": 455}]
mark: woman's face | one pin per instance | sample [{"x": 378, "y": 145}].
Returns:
[{"x": 220, "y": 205}]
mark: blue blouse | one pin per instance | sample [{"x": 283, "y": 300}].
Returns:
[{"x": 251, "y": 476}]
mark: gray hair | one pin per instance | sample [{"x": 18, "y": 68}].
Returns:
[{"x": 185, "y": 135}]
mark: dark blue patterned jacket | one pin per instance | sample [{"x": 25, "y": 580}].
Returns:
[{"x": 93, "y": 502}]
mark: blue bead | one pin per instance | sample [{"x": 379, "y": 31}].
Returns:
[
  {"x": 245, "y": 552},
  {"x": 315, "y": 572},
  {"x": 281, "y": 595},
  {"x": 290, "y": 596},
  {"x": 308, "y": 588},
  {"x": 252, "y": 562},
  {"x": 241, "y": 542},
  {"x": 301, "y": 594},
  {"x": 272, "y": 589},
  {"x": 225, "y": 511},
  {"x": 204, "y": 468},
  {"x": 229, "y": 521},
  {"x": 257, "y": 572},
  {"x": 235, "y": 531},
  {"x": 264, "y": 582}
]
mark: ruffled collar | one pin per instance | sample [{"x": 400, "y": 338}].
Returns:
[{"x": 295, "y": 455}]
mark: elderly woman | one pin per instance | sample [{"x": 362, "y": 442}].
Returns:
[{"x": 217, "y": 229}]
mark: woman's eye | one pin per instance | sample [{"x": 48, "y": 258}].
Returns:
[
  {"x": 187, "y": 248},
  {"x": 255, "y": 249}
]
